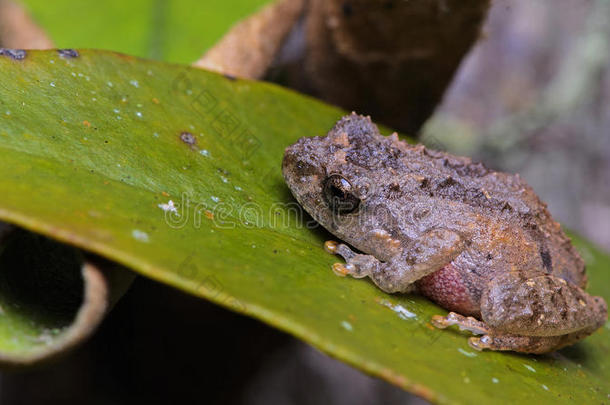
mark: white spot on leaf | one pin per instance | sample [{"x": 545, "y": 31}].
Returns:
[
  {"x": 169, "y": 207},
  {"x": 140, "y": 236},
  {"x": 466, "y": 353},
  {"x": 530, "y": 368},
  {"x": 402, "y": 312},
  {"x": 347, "y": 326}
]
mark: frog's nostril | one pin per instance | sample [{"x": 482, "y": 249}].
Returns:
[{"x": 289, "y": 160}]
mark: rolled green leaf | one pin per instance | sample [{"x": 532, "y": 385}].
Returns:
[{"x": 51, "y": 296}]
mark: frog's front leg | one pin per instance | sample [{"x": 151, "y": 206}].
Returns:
[
  {"x": 357, "y": 265},
  {"x": 431, "y": 252},
  {"x": 386, "y": 275}
]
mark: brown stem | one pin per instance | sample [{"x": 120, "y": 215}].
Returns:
[
  {"x": 251, "y": 45},
  {"x": 390, "y": 59},
  {"x": 62, "y": 293},
  {"x": 18, "y": 30}
]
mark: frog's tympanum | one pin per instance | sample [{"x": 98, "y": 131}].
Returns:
[{"x": 479, "y": 243}]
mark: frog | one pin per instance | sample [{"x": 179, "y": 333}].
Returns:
[{"x": 479, "y": 243}]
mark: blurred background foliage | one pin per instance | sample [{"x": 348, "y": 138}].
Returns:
[{"x": 176, "y": 31}]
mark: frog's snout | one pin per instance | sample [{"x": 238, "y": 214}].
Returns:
[{"x": 298, "y": 165}]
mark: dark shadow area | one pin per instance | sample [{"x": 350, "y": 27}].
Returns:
[
  {"x": 40, "y": 278},
  {"x": 162, "y": 346}
]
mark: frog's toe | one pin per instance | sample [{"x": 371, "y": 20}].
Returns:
[
  {"x": 340, "y": 249},
  {"x": 343, "y": 270},
  {"x": 340, "y": 269},
  {"x": 357, "y": 265},
  {"x": 464, "y": 323},
  {"x": 484, "y": 342},
  {"x": 331, "y": 246},
  {"x": 440, "y": 321}
]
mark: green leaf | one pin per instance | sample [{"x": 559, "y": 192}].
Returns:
[
  {"x": 174, "y": 31},
  {"x": 94, "y": 148}
]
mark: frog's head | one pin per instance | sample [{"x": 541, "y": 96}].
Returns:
[{"x": 334, "y": 176}]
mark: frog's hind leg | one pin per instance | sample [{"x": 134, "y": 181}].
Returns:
[
  {"x": 517, "y": 343},
  {"x": 537, "y": 313},
  {"x": 464, "y": 323},
  {"x": 537, "y": 304},
  {"x": 530, "y": 313},
  {"x": 526, "y": 344}
]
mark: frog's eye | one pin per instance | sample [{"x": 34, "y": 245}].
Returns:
[{"x": 339, "y": 195}]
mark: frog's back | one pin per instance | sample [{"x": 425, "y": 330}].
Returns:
[
  {"x": 499, "y": 196},
  {"x": 508, "y": 198}
]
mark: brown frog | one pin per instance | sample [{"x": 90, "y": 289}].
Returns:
[{"x": 480, "y": 243}]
